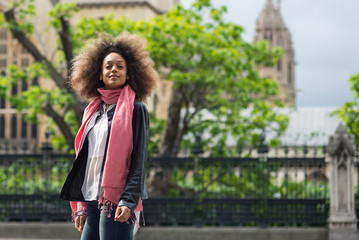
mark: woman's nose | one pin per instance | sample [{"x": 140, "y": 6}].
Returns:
[{"x": 114, "y": 69}]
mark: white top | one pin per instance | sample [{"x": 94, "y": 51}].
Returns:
[{"x": 97, "y": 137}]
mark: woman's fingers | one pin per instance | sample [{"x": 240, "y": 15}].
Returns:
[
  {"x": 122, "y": 214},
  {"x": 80, "y": 223}
]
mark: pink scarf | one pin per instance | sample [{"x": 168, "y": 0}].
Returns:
[{"x": 118, "y": 157}]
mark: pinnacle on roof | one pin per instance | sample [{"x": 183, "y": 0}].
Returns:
[{"x": 270, "y": 17}]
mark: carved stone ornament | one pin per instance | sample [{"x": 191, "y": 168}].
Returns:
[
  {"x": 341, "y": 140},
  {"x": 342, "y": 220}
]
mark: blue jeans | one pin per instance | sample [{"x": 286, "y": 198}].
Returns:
[{"x": 99, "y": 226}]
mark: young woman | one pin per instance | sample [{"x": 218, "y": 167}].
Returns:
[{"x": 106, "y": 183}]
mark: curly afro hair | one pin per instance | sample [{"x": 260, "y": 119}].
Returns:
[{"x": 85, "y": 74}]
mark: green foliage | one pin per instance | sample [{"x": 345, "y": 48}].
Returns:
[
  {"x": 31, "y": 99},
  {"x": 216, "y": 70},
  {"x": 25, "y": 10},
  {"x": 247, "y": 180},
  {"x": 88, "y": 28},
  {"x": 156, "y": 129},
  {"x": 36, "y": 96},
  {"x": 349, "y": 111},
  {"x": 27, "y": 176},
  {"x": 208, "y": 60},
  {"x": 65, "y": 10}
]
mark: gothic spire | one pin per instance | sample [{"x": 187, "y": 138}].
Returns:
[
  {"x": 271, "y": 27},
  {"x": 270, "y": 17}
]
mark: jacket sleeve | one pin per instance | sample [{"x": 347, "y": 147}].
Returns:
[{"x": 136, "y": 177}]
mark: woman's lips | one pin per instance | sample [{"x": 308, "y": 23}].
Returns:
[{"x": 114, "y": 76}]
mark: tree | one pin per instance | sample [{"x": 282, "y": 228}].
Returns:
[
  {"x": 62, "y": 105},
  {"x": 216, "y": 87},
  {"x": 349, "y": 111}
]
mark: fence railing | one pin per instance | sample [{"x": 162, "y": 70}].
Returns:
[
  {"x": 288, "y": 191},
  {"x": 237, "y": 191},
  {"x": 30, "y": 185}
]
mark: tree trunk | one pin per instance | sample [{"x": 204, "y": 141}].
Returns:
[
  {"x": 60, "y": 122},
  {"x": 78, "y": 108},
  {"x": 174, "y": 115},
  {"x": 60, "y": 81},
  {"x": 159, "y": 177}
]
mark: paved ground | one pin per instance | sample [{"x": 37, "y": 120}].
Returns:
[
  {"x": 66, "y": 231},
  {"x": 38, "y": 231},
  {"x": 37, "y": 239}
]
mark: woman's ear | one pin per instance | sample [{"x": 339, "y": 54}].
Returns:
[{"x": 101, "y": 78}]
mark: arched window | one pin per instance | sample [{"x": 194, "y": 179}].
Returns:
[
  {"x": 14, "y": 90},
  {"x": 3, "y": 34},
  {"x": 3, "y": 64},
  {"x": 35, "y": 82},
  {"x": 3, "y": 48},
  {"x": 13, "y": 93},
  {"x": 23, "y": 127},
  {"x": 13, "y": 126},
  {"x": 2, "y": 103},
  {"x": 34, "y": 131},
  {"x": 24, "y": 85},
  {"x": 2, "y": 126}
]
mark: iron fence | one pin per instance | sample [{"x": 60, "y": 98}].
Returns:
[
  {"x": 237, "y": 192},
  {"x": 30, "y": 185},
  {"x": 242, "y": 191}
]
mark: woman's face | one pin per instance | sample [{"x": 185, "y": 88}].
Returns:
[{"x": 113, "y": 71}]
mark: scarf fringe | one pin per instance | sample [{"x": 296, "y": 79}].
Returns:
[
  {"x": 135, "y": 219},
  {"x": 108, "y": 205}
]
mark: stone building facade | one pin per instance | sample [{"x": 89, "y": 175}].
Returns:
[
  {"x": 271, "y": 27},
  {"x": 14, "y": 130},
  {"x": 13, "y": 125}
]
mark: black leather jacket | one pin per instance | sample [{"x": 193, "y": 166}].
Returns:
[{"x": 135, "y": 184}]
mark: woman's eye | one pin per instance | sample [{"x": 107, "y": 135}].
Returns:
[{"x": 120, "y": 67}]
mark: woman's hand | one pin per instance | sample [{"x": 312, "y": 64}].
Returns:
[
  {"x": 80, "y": 222},
  {"x": 122, "y": 214}
]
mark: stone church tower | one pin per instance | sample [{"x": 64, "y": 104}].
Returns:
[{"x": 271, "y": 27}]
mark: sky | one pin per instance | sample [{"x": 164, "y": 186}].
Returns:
[{"x": 325, "y": 36}]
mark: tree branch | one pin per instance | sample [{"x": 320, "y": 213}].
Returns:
[
  {"x": 30, "y": 47},
  {"x": 185, "y": 126},
  {"x": 63, "y": 126},
  {"x": 59, "y": 80},
  {"x": 65, "y": 37}
]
